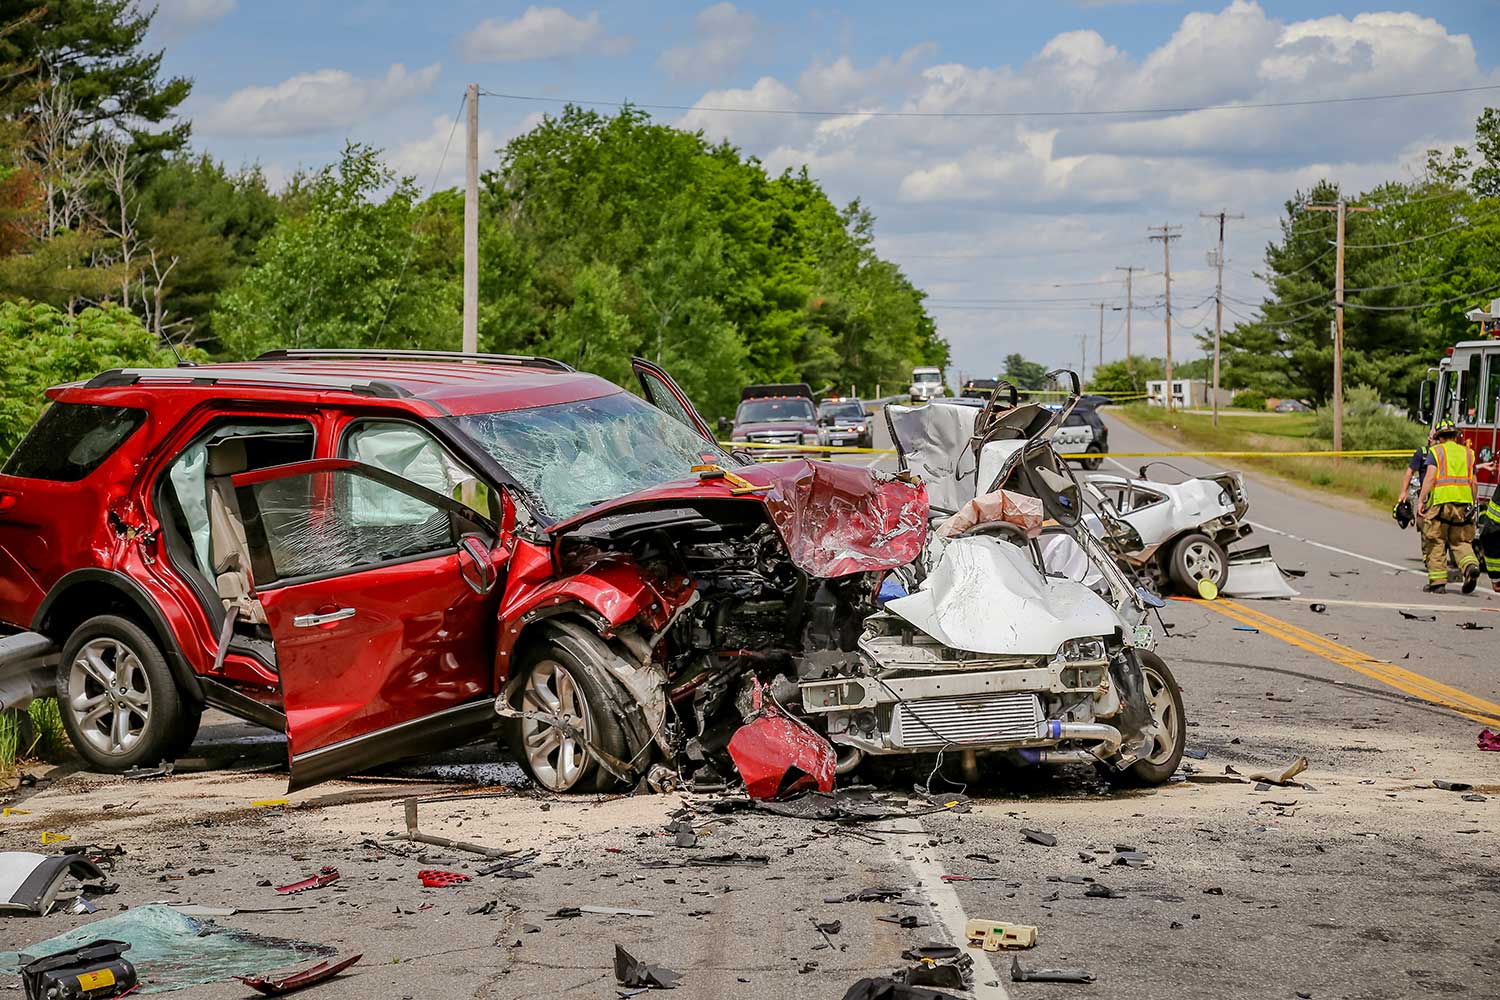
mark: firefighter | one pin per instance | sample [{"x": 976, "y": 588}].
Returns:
[
  {"x": 1447, "y": 505},
  {"x": 1488, "y": 532}
]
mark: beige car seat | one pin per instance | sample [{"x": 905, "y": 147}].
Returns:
[{"x": 228, "y": 552}]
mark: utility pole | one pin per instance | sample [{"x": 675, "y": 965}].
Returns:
[
  {"x": 1166, "y": 234},
  {"x": 1129, "y": 308},
  {"x": 1100, "y": 363},
  {"x": 1218, "y": 299},
  {"x": 471, "y": 226},
  {"x": 1341, "y": 209}
]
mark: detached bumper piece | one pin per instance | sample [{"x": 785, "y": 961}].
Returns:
[
  {"x": 90, "y": 972},
  {"x": 29, "y": 883},
  {"x": 310, "y": 976}
]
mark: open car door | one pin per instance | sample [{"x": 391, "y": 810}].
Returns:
[
  {"x": 665, "y": 394},
  {"x": 380, "y": 596}
]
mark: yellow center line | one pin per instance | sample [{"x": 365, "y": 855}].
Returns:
[{"x": 1406, "y": 681}]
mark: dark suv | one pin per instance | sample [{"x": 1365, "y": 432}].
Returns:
[{"x": 387, "y": 553}]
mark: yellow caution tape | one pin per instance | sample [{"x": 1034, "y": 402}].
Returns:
[
  {"x": 815, "y": 448},
  {"x": 843, "y": 450}
]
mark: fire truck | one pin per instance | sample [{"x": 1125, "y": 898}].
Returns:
[{"x": 1465, "y": 387}]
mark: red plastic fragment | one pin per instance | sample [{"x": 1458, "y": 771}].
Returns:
[
  {"x": 310, "y": 976},
  {"x": 436, "y": 879},
  {"x": 778, "y": 756},
  {"x": 1489, "y": 740},
  {"x": 327, "y": 875}
]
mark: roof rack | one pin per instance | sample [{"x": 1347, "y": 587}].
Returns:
[
  {"x": 170, "y": 378},
  {"x": 336, "y": 354}
]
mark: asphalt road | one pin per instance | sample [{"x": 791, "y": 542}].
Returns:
[{"x": 1364, "y": 881}]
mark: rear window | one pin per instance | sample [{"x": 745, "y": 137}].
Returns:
[{"x": 71, "y": 440}]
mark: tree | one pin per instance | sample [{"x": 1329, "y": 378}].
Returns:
[
  {"x": 348, "y": 272},
  {"x": 95, "y": 48},
  {"x": 1128, "y": 376},
  {"x": 1025, "y": 374}
]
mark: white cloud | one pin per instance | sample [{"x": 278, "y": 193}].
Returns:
[
  {"x": 321, "y": 101},
  {"x": 424, "y": 158},
  {"x": 539, "y": 33},
  {"x": 983, "y": 208},
  {"x": 175, "y": 18},
  {"x": 725, "y": 36}
]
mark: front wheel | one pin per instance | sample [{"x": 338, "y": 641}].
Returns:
[
  {"x": 120, "y": 705},
  {"x": 556, "y": 758},
  {"x": 1165, "y": 700},
  {"x": 1093, "y": 463},
  {"x": 1196, "y": 558}
]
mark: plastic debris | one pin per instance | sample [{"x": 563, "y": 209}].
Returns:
[
  {"x": 435, "y": 879},
  {"x": 995, "y": 935},
  {"x": 1489, "y": 740},
  {"x": 1195, "y": 754},
  {"x": 1418, "y": 618},
  {"x": 1246, "y": 628},
  {"x": 1040, "y": 837},
  {"x": 1101, "y": 891},
  {"x": 327, "y": 875},
  {"x": 1452, "y": 786},
  {"x": 1295, "y": 768},
  {"x": 1021, "y": 975},
  {"x": 1317, "y": 609},
  {"x": 889, "y": 989},
  {"x": 1473, "y": 626},
  {"x": 162, "y": 770},
  {"x": 30, "y": 882},
  {"x": 631, "y": 972},
  {"x": 310, "y": 976},
  {"x": 778, "y": 756}
]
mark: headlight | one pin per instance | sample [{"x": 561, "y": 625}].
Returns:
[{"x": 1082, "y": 649}]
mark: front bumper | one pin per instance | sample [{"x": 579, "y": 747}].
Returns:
[{"x": 28, "y": 669}]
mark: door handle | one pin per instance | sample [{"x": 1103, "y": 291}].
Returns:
[{"x": 309, "y": 621}]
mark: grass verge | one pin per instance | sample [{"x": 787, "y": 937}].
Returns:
[
  {"x": 1372, "y": 481},
  {"x": 36, "y": 732}
]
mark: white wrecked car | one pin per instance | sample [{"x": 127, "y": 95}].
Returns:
[
  {"x": 1179, "y": 533},
  {"x": 1019, "y": 633}
]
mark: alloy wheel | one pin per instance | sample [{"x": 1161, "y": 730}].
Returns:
[
  {"x": 109, "y": 696},
  {"x": 1203, "y": 562},
  {"x": 557, "y": 758},
  {"x": 1164, "y": 713}
]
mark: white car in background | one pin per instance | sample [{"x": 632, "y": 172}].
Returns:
[{"x": 926, "y": 384}]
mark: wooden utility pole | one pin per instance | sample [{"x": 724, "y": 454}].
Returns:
[
  {"x": 1129, "y": 309},
  {"x": 1166, "y": 234},
  {"x": 471, "y": 226},
  {"x": 1341, "y": 208},
  {"x": 1218, "y": 299}
]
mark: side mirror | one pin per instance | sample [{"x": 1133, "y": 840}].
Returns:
[
  {"x": 1424, "y": 403},
  {"x": 475, "y": 564},
  {"x": 725, "y": 426}
]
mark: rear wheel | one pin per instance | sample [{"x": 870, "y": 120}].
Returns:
[
  {"x": 1095, "y": 462},
  {"x": 119, "y": 703},
  {"x": 1165, "y": 700},
  {"x": 556, "y": 758},
  {"x": 1196, "y": 558}
]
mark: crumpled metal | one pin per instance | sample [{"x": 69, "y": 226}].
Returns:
[
  {"x": 837, "y": 520},
  {"x": 778, "y": 756},
  {"x": 1002, "y": 505}
]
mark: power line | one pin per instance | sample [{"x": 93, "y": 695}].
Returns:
[
  {"x": 1095, "y": 113},
  {"x": 1424, "y": 238},
  {"x": 1423, "y": 305}
]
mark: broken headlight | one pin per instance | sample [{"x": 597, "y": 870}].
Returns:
[{"x": 1082, "y": 649}]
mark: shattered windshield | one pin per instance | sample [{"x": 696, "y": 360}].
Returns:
[
  {"x": 765, "y": 411},
  {"x": 572, "y": 456}
]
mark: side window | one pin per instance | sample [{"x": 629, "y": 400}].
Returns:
[
  {"x": 661, "y": 397},
  {"x": 1488, "y": 405},
  {"x": 1470, "y": 391},
  {"x": 331, "y": 522},
  {"x": 409, "y": 451},
  {"x": 71, "y": 440}
]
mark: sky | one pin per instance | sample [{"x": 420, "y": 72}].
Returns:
[{"x": 1014, "y": 226}]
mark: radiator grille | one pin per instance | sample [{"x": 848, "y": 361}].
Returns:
[{"x": 970, "y": 719}]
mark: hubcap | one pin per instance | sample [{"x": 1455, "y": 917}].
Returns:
[
  {"x": 109, "y": 696},
  {"x": 1203, "y": 562},
  {"x": 1163, "y": 713},
  {"x": 557, "y": 758}
]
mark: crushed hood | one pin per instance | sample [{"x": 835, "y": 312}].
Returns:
[{"x": 835, "y": 520}]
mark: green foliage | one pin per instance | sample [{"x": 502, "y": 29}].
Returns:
[
  {"x": 1126, "y": 377},
  {"x": 1025, "y": 374},
  {"x": 97, "y": 49},
  {"x": 1249, "y": 399},
  {"x": 350, "y": 271},
  {"x": 1367, "y": 425},
  {"x": 606, "y": 236},
  {"x": 36, "y": 732},
  {"x": 44, "y": 346}
]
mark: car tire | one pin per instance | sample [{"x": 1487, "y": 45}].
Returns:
[
  {"x": 1093, "y": 463},
  {"x": 1167, "y": 709},
  {"x": 555, "y": 680},
  {"x": 119, "y": 702},
  {"x": 1196, "y": 557}
]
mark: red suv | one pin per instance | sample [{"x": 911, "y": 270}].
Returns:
[{"x": 387, "y": 553}]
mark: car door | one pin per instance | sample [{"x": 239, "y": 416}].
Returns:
[
  {"x": 664, "y": 394},
  {"x": 380, "y": 596}
]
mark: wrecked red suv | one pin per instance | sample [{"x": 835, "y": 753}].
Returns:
[{"x": 390, "y": 553}]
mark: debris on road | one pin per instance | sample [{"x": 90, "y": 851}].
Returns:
[
  {"x": 996, "y": 935},
  {"x": 327, "y": 875},
  {"x": 1132, "y": 859},
  {"x": 1452, "y": 786},
  {"x": 1409, "y": 616},
  {"x": 310, "y": 976},
  {"x": 30, "y": 883},
  {"x": 1101, "y": 891},
  {"x": 633, "y": 973},
  {"x": 433, "y": 878},
  {"x": 1473, "y": 626},
  {"x": 889, "y": 989},
  {"x": 96, "y": 971},
  {"x": 162, "y": 770},
  {"x": 1489, "y": 740},
  {"x": 731, "y": 860},
  {"x": 944, "y": 968},
  {"x": 416, "y": 836},
  {"x": 778, "y": 756},
  {"x": 569, "y": 912},
  {"x": 1246, "y": 628},
  {"x": 1283, "y": 779},
  {"x": 1022, "y": 975},
  {"x": 1040, "y": 837},
  {"x": 1317, "y": 609}
]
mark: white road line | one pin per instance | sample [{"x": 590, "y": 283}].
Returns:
[
  {"x": 1335, "y": 548},
  {"x": 951, "y": 918},
  {"x": 1308, "y": 541}
]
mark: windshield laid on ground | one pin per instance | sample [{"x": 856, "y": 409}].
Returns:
[
  {"x": 927, "y": 377},
  {"x": 842, "y": 411},
  {"x": 764, "y": 411},
  {"x": 572, "y": 456}
]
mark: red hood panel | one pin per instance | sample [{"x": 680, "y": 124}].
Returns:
[{"x": 834, "y": 519}]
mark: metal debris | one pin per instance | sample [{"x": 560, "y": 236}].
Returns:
[
  {"x": 1021, "y": 975},
  {"x": 631, "y": 972},
  {"x": 1452, "y": 786},
  {"x": 327, "y": 875},
  {"x": 1040, "y": 837},
  {"x": 310, "y": 976}
]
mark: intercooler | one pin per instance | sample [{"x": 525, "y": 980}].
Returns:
[{"x": 968, "y": 720}]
